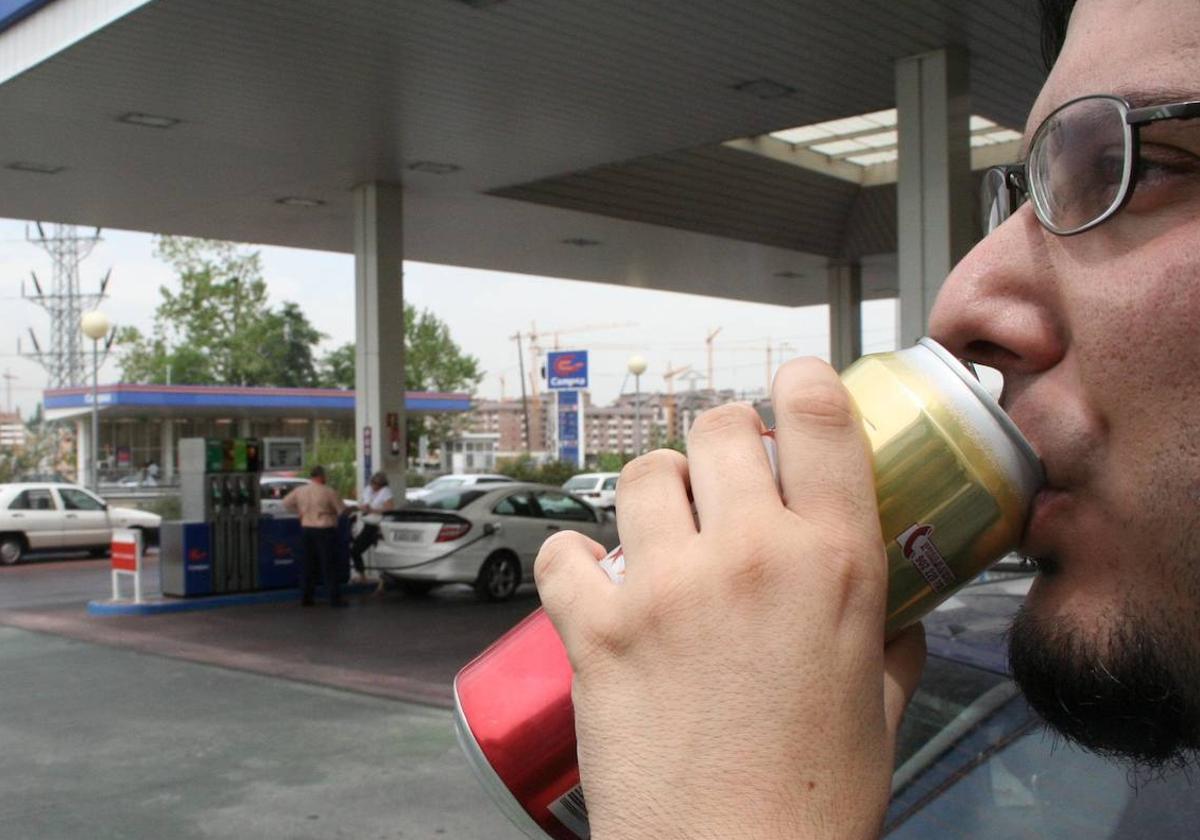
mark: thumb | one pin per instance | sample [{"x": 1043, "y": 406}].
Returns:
[{"x": 903, "y": 661}]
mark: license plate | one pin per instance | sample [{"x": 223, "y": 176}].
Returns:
[{"x": 406, "y": 536}]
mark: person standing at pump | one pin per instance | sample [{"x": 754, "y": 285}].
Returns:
[
  {"x": 376, "y": 500},
  {"x": 319, "y": 508}
]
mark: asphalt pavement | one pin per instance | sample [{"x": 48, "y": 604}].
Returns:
[{"x": 268, "y": 720}]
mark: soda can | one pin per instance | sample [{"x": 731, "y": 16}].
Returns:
[{"x": 954, "y": 478}]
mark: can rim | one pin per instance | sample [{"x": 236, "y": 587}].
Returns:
[
  {"x": 489, "y": 779},
  {"x": 989, "y": 402}
]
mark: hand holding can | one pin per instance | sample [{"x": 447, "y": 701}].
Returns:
[{"x": 738, "y": 681}]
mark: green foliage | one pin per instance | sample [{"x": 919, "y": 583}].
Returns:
[
  {"x": 168, "y": 507},
  {"x": 336, "y": 455},
  {"x": 337, "y": 368},
  {"x": 524, "y": 468},
  {"x": 612, "y": 461},
  {"x": 218, "y": 328},
  {"x": 42, "y": 453}
]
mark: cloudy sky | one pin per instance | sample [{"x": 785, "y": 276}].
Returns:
[{"x": 482, "y": 308}]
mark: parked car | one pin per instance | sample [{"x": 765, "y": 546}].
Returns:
[
  {"x": 272, "y": 489},
  {"x": 49, "y": 516},
  {"x": 480, "y": 534},
  {"x": 974, "y": 761},
  {"x": 445, "y": 482},
  {"x": 597, "y": 489}
]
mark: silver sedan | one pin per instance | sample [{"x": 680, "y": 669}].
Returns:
[{"x": 485, "y": 536}]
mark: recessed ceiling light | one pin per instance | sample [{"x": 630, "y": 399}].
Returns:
[
  {"x": 581, "y": 242},
  {"x": 764, "y": 89},
  {"x": 38, "y": 168},
  {"x": 790, "y": 275},
  {"x": 433, "y": 167},
  {"x": 148, "y": 120},
  {"x": 298, "y": 201}
]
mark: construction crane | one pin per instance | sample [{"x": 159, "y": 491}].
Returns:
[
  {"x": 669, "y": 403},
  {"x": 708, "y": 342}
]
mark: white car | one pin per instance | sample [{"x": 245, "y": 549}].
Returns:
[
  {"x": 62, "y": 517},
  {"x": 483, "y": 535},
  {"x": 445, "y": 482},
  {"x": 273, "y": 489},
  {"x": 597, "y": 489}
]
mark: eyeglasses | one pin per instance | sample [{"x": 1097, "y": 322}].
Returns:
[{"x": 1081, "y": 167}]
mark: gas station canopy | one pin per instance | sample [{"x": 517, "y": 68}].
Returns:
[{"x": 618, "y": 141}]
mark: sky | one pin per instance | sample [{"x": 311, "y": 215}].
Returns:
[{"x": 483, "y": 310}]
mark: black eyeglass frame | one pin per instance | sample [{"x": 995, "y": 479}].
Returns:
[{"x": 1014, "y": 186}]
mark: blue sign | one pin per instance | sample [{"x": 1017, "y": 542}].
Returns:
[
  {"x": 567, "y": 370},
  {"x": 568, "y": 426}
]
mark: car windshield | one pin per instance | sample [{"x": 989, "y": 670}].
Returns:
[
  {"x": 450, "y": 499},
  {"x": 580, "y": 482},
  {"x": 443, "y": 483}
]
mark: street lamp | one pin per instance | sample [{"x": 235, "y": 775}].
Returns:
[
  {"x": 95, "y": 327},
  {"x": 637, "y": 366}
]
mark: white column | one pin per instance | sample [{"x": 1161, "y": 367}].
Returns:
[
  {"x": 379, "y": 328},
  {"x": 935, "y": 193},
  {"x": 166, "y": 450},
  {"x": 845, "y": 313},
  {"x": 83, "y": 448}
]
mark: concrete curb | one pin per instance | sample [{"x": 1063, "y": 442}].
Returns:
[{"x": 161, "y": 604}]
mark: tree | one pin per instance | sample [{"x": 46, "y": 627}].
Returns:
[
  {"x": 337, "y": 368},
  {"x": 218, "y": 328}
]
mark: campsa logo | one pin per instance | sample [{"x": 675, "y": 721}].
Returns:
[
  {"x": 917, "y": 545},
  {"x": 568, "y": 370}
]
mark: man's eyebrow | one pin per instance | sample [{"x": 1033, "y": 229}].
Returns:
[
  {"x": 1144, "y": 97},
  {"x": 1141, "y": 97}
]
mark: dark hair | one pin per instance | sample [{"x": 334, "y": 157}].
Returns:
[
  {"x": 1056, "y": 14},
  {"x": 379, "y": 478},
  {"x": 317, "y": 472}
]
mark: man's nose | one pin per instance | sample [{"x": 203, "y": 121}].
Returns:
[{"x": 1000, "y": 306}]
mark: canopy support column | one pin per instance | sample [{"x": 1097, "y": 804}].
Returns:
[
  {"x": 935, "y": 193},
  {"x": 845, "y": 313},
  {"x": 379, "y": 332}
]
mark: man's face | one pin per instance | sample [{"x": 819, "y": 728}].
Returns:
[{"x": 1098, "y": 338}]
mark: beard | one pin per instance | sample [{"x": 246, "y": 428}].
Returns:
[{"x": 1132, "y": 694}]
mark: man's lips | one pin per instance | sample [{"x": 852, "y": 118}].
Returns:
[{"x": 1045, "y": 514}]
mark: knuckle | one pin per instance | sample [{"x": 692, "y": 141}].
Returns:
[
  {"x": 649, "y": 465},
  {"x": 552, "y": 556},
  {"x": 811, "y": 394},
  {"x": 724, "y": 418}
]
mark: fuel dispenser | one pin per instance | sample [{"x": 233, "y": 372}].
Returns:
[{"x": 219, "y": 484}]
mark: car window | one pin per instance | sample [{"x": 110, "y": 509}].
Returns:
[
  {"x": 78, "y": 500},
  {"x": 443, "y": 483},
  {"x": 558, "y": 506},
  {"x": 453, "y": 499},
  {"x": 518, "y": 504},
  {"x": 580, "y": 483},
  {"x": 499, "y": 480},
  {"x": 610, "y": 483},
  {"x": 1037, "y": 786},
  {"x": 33, "y": 500}
]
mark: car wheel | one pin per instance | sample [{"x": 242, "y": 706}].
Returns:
[
  {"x": 416, "y": 588},
  {"x": 11, "y": 550},
  {"x": 499, "y": 578}
]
